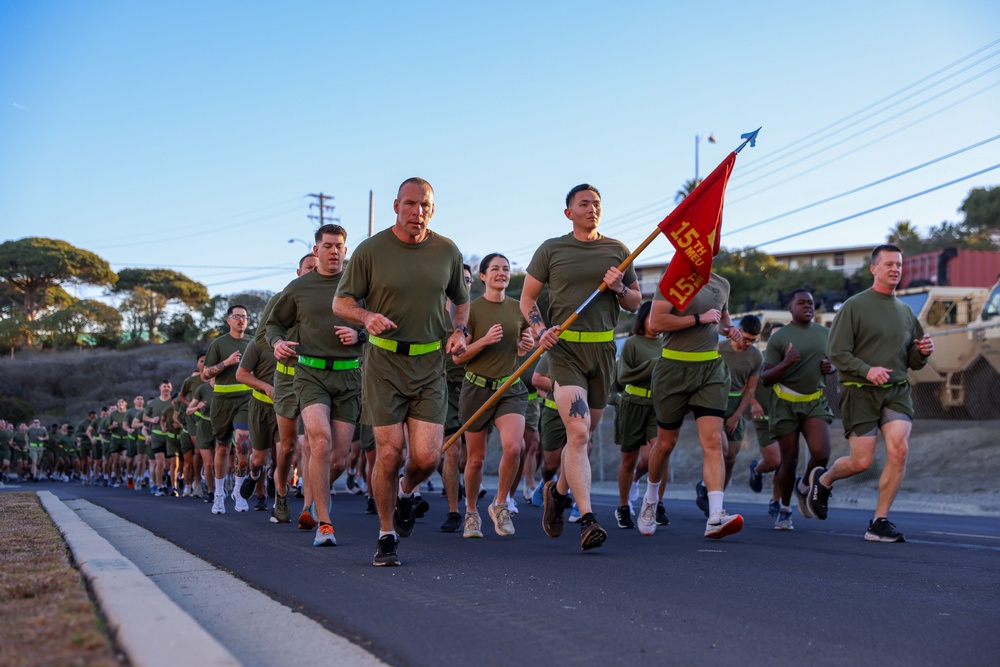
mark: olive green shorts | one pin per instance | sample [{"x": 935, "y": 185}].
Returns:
[
  {"x": 741, "y": 425},
  {"x": 229, "y": 412},
  {"x": 338, "y": 390},
  {"x": 786, "y": 417},
  {"x": 398, "y": 387},
  {"x": 286, "y": 403},
  {"x": 865, "y": 409},
  {"x": 263, "y": 425},
  {"x": 533, "y": 412},
  {"x": 512, "y": 402},
  {"x": 679, "y": 385},
  {"x": 553, "y": 430},
  {"x": 587, "y": 365},
  {"x": 635, "y": 424},
  {"x": 453, "y": 421}
]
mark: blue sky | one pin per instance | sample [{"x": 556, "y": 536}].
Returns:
[{"x": 187, "y": 134}]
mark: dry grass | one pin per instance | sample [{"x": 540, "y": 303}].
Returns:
[{"x": 46, "y": 615}]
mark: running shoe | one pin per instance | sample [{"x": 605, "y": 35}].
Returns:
[
  {"x": 386, "y": 552},
  {"x": 803, "y": 499},
  {"x": 370, "y": 508},
  {"x": 420, "y": 506},
  {"x": 574, "y": 514},
  {"x": 624, "y": 517},
  {"x": 325, "y": 536},
  {"x": 784, "y": 521},
  {"x": 306, "y": 521},
  {"x": 883, "y": 530},
  {"x": 773, "y": 507},
  {"x": 756, "y": 479},
  {"x": 511, "y": 505},
  {"x": 646, "y": 521},
  {"x": 536, "y": 495},
  {"x": 592, "y": 535},
  {"x": 403, "y": 518},
  {"x": 701, "y": 496},
  {"x": 473, "y": 525},
  {"x": 452, "y": 523},
  {"x": 501, "y": 519},
  {"x": 721, "y": 524},
  {"x": 661, "y": 515},
  {"x": 553, "y": 508},
  {"x": 247, "y": 487},
  {"x": 819, "y": 495},
  {"x": 261, "y": 505},
  {"x": 219, "y": 505},
  {"x": 280, "y": 513}
]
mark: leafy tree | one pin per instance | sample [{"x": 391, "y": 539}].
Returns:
[
  {"x": 33, "y": 269},
  {"x": 907, "y": 237},
  {"x": 150, "y": 291}
]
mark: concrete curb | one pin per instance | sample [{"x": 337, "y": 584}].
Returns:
[{"x": 137, "y": 611}]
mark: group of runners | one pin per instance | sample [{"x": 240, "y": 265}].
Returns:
[{"x": 366, "y": 367}]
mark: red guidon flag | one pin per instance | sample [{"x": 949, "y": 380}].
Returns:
[{"x": 695, "y": 229}]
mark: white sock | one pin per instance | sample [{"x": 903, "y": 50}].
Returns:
[
  {"x": 652, "y": 492},
  {"x": 715, "y": 502}
]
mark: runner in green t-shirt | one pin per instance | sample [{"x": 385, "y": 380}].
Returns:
[
  {"x": 581, "y": 359},
  {"x": 404, "y": 274},
  {"x": 795, "y": 368},
  {"x": 874, "y": 339},
  {"x": 497, "y": 333},
  {"x": 690, "y": 375}
]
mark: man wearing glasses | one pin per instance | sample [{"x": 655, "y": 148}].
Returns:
[{"x": 230, "y": 407}]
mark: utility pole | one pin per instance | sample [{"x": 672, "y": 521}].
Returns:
[{"x": 325, "y": 210}]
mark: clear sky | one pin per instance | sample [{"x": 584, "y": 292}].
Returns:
[{"x": 187, "y": 134}]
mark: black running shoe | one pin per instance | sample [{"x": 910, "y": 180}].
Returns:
[
  {"x": 701, "y": 497},
  {"x": 883, "y": 530},
  {"x": 624, "y": 517},
  {"x": 819, "y": 495},
  {"x": 371, "y": 509},
  {"x": 661, "y": 515},
  {"x": 403, "y": 518},
  {"x": 452, "y": 524},
  {"x": 420, "y": 507},
  {"x": 385, "y": 552},
  {"x": 247, "y": 487}
]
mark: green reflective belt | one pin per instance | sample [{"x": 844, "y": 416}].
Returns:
[
  {"x": 262, "y": 397},
  {"x": 532, "y": 396},
  {"x": 796, "y": 398},
  {"x": 678, "y": 355},
  {"x": 328, "y": 364},
  {"x": 407, "y": 349},
  {"x": 487, "y": 383},
  {"x": 230, "y": 388},
  {"x": 638, "y": 391},
  {"x": 549, "y": 403},
  {"x": 735, "y": 394},
  {"x": 588, "y": 336},
  {"x": 880, "y": 386},
  {"x": 286, "y": 370}
]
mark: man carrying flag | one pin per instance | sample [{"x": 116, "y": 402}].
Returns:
[{"x": 691, "y": 310}]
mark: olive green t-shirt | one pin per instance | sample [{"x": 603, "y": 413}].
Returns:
[
  {"x": 259, "y": 362},
  {"x": 500, "y": 359},
  {"x": 407, "y": 283},
  {"x": 874, "y": 329},
  {"x": 805, "y": 377},
  {"x": 307, "y": 302},
  {"x": 702, "y": 337},
  {"x": 742, "y": 365},
  {"x": 219, "y": 351},
  {"x": 573, "y": 269}
]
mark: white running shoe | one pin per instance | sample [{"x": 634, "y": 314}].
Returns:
[
  {"x": 646, "y": 521},
  {"x": 219, "y": 505}
]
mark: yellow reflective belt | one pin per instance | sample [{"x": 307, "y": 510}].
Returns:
[
  {"x": 678, "y": 355},
  {"x": 796, "y": 398},
  {"x": 262, "y": 397},
  {"x": 328, "y": 364},
  {"x": 588, "y": 336},
  {"x": 286, "y": 370},
  {"x": 408, "y": 349},
  {"x": 549, "y": 403},
  {"x": 880, "y": 386},
  {"x": 230, "y": 388},
  {"x": 638, "y": 391},
  {"x": 485, "y": 382}
]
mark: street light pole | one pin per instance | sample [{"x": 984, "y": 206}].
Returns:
[{"x": 697, "y": 140}]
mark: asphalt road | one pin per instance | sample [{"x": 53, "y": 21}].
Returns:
[{"x": 819, "y": 595}]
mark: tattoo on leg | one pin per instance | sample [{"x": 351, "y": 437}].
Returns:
[{"x": 579, "y": 407}]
